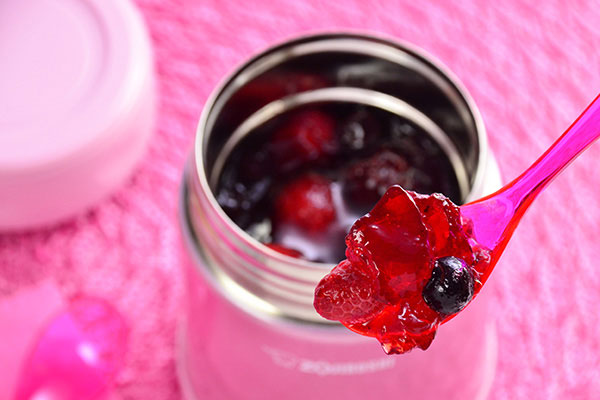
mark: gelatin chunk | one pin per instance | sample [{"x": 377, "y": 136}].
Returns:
[{"x": 409, "y": 246}]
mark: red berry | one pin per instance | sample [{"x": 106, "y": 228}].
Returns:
[
  {"x": 348, "y": 294},
  {"x": 272, "y": 86},
  {"x": 307, "y": 136},
  {"x": 367, "y": 180},
  {"x": 285, "y": 250},
  {"x": 306, "y": 203},
  {"x": 266, "y": 88}
]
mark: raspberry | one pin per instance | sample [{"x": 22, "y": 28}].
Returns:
[
  {"x": 307, "y": 136},
  {"x": 367, "y": 180},
  {"x": 306, "y": 203},
  {"x": 284, "y": 250},
  {"x": 264, "y": 89},
  {"x": 348, "y": 294}
]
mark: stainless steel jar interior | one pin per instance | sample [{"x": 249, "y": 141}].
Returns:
[
  {"x": 356, "y": 62},
  {"x": 344, "y": 95}
]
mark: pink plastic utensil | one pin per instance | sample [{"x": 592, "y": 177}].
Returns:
[
  {"x": 496, "y": 216},
  {"x": 77, "y": 356}
]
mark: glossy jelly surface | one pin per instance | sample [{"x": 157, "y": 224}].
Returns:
[{"x": 411, "y": 265}]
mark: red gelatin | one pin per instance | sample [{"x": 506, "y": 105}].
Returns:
[{"x": 398, "y": 242}]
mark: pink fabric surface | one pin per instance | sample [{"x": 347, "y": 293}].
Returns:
[{"x": 530, "y": 68}]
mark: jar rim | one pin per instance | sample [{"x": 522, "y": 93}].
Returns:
[{"x": 310, "y": 271}]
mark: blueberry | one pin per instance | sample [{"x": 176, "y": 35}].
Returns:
[
  {"x": 242, "y": 200},
  {"x": 450, "y": 287}
]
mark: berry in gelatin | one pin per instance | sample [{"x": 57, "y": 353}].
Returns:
[
  {"x": 367, "y": 180},
  {"x": 308, "y": 136},
  {"x": 302, "y": 179},
  {"x": 450, "y": 287},
  {"x": 423, "y": 265},
  {"x": 306, "y": 203},
  {"x": 348, "y": 294}
]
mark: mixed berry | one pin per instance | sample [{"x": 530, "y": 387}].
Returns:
[
  {"x": 300, "y": 181},
  {"x": 411, "y": 264},
  {"x": 300, "y": 185},
  {"x": 308, "y": 136},
  {"x": 450, "y": 287},
  {"x": 306, "y": 203}
]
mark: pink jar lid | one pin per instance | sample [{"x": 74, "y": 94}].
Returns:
[{"x": 76, "y": 105}]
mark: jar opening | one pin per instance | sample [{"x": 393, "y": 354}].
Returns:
[{"x": 319, "y": 70}]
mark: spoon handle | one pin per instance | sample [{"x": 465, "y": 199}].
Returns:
[{"x": 496, "y": 216}]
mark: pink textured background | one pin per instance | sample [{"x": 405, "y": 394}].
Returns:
[{"x": 531, "y": 69}]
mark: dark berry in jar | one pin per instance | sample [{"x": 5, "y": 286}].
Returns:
[
  {"x": 367, "y": 180},
  {"x": 239, "y": 200},
  {"x": 451, "y": 286},
  {"x": 359, "y": 131},
  {"x": 306, "y": 203},
  {"x": 275, "y": 85},
  {"x": 257, "y": 164}
]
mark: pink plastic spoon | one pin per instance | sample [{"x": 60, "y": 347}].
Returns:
[
  {"x": 77, "y": 355},
  {"x": 496, "y": 216}
]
